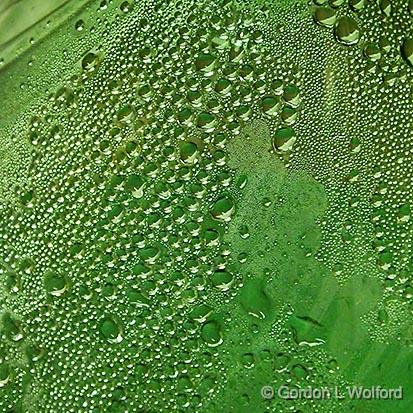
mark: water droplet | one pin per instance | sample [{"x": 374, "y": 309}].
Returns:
[
  {"x": 223, "y": 208},
  {"x": 284, "y": 139},
  {"x": 188, "y": 152},
  {"x": 372, "y": 52},
  {"x": 222, "y": 280},
  {"x": 126, "y": 7},
  {"x": 291, "y": 96},
  {"x": 12, "y": 327},
  {"x": 325, "y": 16},
  {"x": 356, "y": 5},
  {"x": 135, "y": 184},
  {"x": 55, "y": 284},
  {"x": 248, "y": 360},
  {"x": 205, "y": 62},
  {"x": 4, "y": 374},
  {"x": 385, "y": 7},
  {"x": 111, "y": 330},
  {"x": 79, "y": 25},
  {"x": 211, "y": 334},
  {"x": 404, "y": 213},
  {"x": 200, "y": 313},
  {"x": 407, "y": 51},
  {"x": 90, "y": 62},
  {"x": 270, "y": 105},
  {"x": 347, "y": 31}
]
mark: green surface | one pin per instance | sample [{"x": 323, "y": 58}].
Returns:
[{"x": 202, "y": 202}]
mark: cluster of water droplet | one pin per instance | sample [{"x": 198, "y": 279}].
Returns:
[
  {"x": 154, "y": 237},
  {"x": 361, "y": 151},
  {"x": 119, "y": 229}
]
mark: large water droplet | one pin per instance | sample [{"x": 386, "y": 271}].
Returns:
[
  {"x": 325, "y": 16},
  {"x": 111, "y": 330},
  {"x": 211, "y": 333},
  {"x": 55, "y": 284},
  {"x": 4, "y": 374},
  {"x": 284, "y": 139},
  {"x": 347, "y": 31},
  {"x": 223, "y": 208},
  {"x": 407, "y": 51}
]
